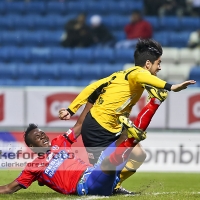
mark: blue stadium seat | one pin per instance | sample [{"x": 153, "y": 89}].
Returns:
[
  {"x": 105, "y": 55},
  {"x": 32, "y": 39},
  {"x": 27, "y": 71},
  {"x": 24, "y": 23},
  {"x": 82, "y": 55},
  {"x": 58, "y": 82},
  {"x": 6, "y": 23},
  {"x": 8, "y": 71},
  {"x": 123, "y": 7},
  {"x": 51, "y": 38},
  {"x": 20, "y": 55},
  {"x": 55, "y": 7},
  {"x": 154, "y": 21},
  {"x": 11, "y": 38},
  {"x": 195, "y": 74},
  {"x": 170, "y": 23},
  {"x": 60, "y": 55},
  {"x": 162, "y": 37},
  {"x": 15, "y": 7},
  {"x": 81, "y": 83},
  {"x": 5, "y": 54},
  {"x": 107, "y": 69},
  {"x": 91, "y": 72},
  {"x": 30, "y": 82},
  {"x": 40, "y": 55},
  {"x": 2, "y": 8},
  {"x": 70, "y": 72},
  {"x": 95, "y": 7},
  {"x": 189, "y": 23},
  {"x": 178, "y": 39},
  {"x": 76, "y": 7},
  {"x": 36, "y": 8},
  {"x": 124, "y": 56},
  {"x": 48, "y": 72},
  {"x": 8, "y": 82},
  {"x": 119, "y": 35}
]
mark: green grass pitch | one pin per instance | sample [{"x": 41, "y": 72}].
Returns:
[{"x": 159, "y": 186}]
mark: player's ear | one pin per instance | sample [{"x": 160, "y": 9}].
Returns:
[{"x": 148, "y": 65}]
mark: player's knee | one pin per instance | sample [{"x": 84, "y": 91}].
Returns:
[{"x": 138, "y": 154}]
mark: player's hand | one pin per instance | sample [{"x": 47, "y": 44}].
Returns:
[
  {"x": 182, "y": 86},
  {"x": 64, "y": 114}
]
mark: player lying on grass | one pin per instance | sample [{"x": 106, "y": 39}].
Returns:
[
  {"x": 58, "y": 168},
  {"x": 117, "y": 99}
]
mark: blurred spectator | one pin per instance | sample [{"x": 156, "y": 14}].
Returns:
[
  {"x": 138, "y": 28},
  {"x": 169, "y": 8},
  {"x": 194, "y": 39},
  {"x": 151, "y": 9},
  {"x": 195, "y": 7},
  {"x": 77, "y": 33},
  {"x": 100, "y": 33}
]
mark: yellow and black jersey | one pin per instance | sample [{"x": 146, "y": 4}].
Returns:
[{"x": 119, "y": 97}]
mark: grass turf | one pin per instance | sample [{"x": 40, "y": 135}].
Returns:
[{"x": 159, "y": 186}]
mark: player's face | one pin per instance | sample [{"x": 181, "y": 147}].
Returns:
[
  {"x": 155, "y": 67},
  {"x": 38, "y": 138}
]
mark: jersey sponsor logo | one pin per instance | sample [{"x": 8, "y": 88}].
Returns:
[
  {"x": 194, "y": 109},
  {"x": 49, "y": 157},
  {"x": 55, "y": 102},
  {"x": 55, "y": 147},
  {"x": 55, "y": 163}
]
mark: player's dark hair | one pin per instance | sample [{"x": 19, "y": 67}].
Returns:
[
  {"x": 147, "y": 49},
  {"x": 27, "y": 131}
]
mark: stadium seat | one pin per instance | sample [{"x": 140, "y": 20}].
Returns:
[
  {"x": 90, "y": 72},
  {"x": 54, "y": 7},
  {"x": 76, "y": 7},
  {"x": 70, "y": 72},
  {"x": 58, "y": 82},
  {"x": 162, "y": 37},
  {"x": 8, "y": 82},
  {"x": 190, "y": 56},
  {"x": 27, "y": 71},
  {"x": 195, "y": 74},
  {"x": 82, "y": 55},
  {"x": 95, "y": 7},
  {"x": 6, "y": 23},
  {"x": 60, "y": 55},
  {"x": 154, "y": 21},
  {"x": 178, "y": 73},
  {"x": 8, "y": 71},
  {"x": 189, "y": 23},
  {"x": 170, "y": 23},
  {"x": 35, "y": 8},
  {"x": 107, "y": 69},
  {"x": 119, "y": 35},
  {"x": 31, "y": 82},
  {"x": 40, "y": 55},
  {"x": 51, "y": 38},
  {"x": 20, "y": 55},
  {"x": 15, "y": 7},
  {"x": 48, "y": 72},
  {"x": 10, "y": 38},
  {"x": 32, "y": 39},
  {"x": 103, "y": 55},
  {"x": 179, "y": 39},
  {"x": 123, "y": 56},
  {"x": 170, "y": 55}
]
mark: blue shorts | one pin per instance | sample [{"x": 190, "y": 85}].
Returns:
[{"x": 95, "y": 182}]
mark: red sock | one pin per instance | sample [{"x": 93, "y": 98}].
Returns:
[
  {"x": 122, "y": 152},
  {"x": 144, "y": 117}
]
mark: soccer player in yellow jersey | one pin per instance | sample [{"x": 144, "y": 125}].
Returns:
[{"x": 101, "y": 126}]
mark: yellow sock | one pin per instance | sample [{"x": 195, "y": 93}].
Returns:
[{"x": 129, "y": 169}]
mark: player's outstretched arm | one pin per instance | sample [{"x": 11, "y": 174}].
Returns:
[
  {"x": 182, "y": 86},
  {"x": 10, "y": 188}
]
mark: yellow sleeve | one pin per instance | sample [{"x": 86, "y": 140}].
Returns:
[
  {"x": 144, "y": 76},
  {"x": 85, "y": 93}
]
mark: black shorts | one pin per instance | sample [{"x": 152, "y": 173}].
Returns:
[{"x": 95, "y": 138}]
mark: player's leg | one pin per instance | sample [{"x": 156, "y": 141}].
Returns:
[
  {"x": 138, "y": 155},
  {"x": 111, "y": 161}
]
